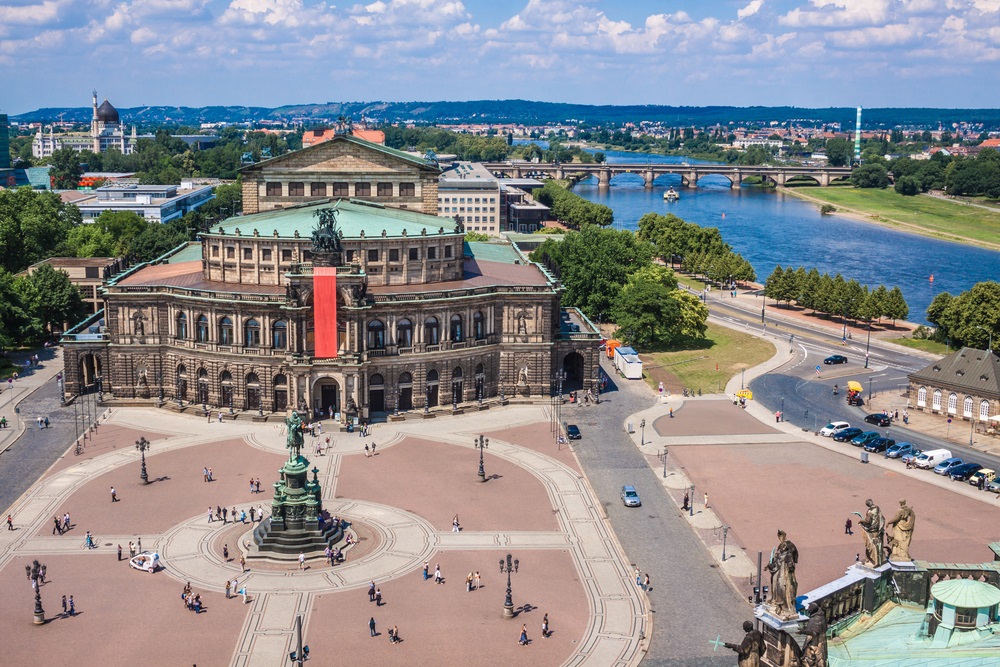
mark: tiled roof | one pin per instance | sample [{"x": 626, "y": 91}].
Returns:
[
  {"x": 392, "y": 152},
  {"x": 478, "y": 273},
  {"x": 189, "y": 275},
  {"x": 971, "y": 370}
]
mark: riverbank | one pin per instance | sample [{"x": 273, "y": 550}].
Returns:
[{"x": 928, "y": 216}]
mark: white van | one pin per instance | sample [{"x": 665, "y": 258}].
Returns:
[{"x": 931, "y": 458}]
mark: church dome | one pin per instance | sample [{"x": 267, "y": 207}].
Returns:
[{"x": 107, "y": 113}]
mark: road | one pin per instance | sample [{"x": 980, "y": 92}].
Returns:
[{"x": 692, "y": 602}]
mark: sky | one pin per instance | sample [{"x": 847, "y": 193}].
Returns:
[{"x": 809, "y": 53}]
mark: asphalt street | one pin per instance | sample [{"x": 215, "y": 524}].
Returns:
[{"x": 692, "y": 603}]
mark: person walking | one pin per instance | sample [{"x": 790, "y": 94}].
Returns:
[
  {"x": 210, "y": 478},
  {"x": 394, "y": 634},
  {"x": 468, "y": 583},
  {"x": 847, "y": 527},
  {"x": 378, "y": 597},
  {"x": 243, "y": 563},
  {"x": 119, "y": 552},
  {"x": 523, "y": 640},
  {"x": 545, "y": 626},
  {"x": 638, "y": 577},
  {"x": 437, "y": 573},
  {"x": 687, "y": 500},
  {"x": 64, "y": 604},
  {"x": 425, "y": 570},
  {"x": 706, "y": 500},
  {"x": 243, "y": 592},
  {"x": 204, "y": 474},
  {"x": 72, "y": 606},
  {"x": 220, "y": 416},
  {"x": 46, "y": 422},
  {"x": 371, "y": 591},
  {"x": 367, "y": 454},
  {"x": 225, "y": 552},
  {"x": 373, "y": 449},
  {"x": 41, "y": 572},
  {"x": 114, "y": 495},
  {"x": 225, "y": 514},
  {"x": 229, "y": 589},
  {"x": 10, "y": 522},
  {"x": 302, "y": 561},
  {"x": 454, "y": 525},
  {"x": 253, "y": 511},
  {"x": 645, "y": 582},
  {"x": 57, "y": 527},
  {"x": 371, "y": 626},
  {"x": 260, "y": 513},
  {"x": 210, "y": 518},
  {"x": 65, "y": 522},
  {"x": 475, "y": 582}
]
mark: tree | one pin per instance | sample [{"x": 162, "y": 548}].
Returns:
[
  {"x": 33, "y": 225},
  {"x": 599, "y": 157},
  {"x": 839, "y": 152},
  {"x": 958, "y": 318},
  {"x": 642, "y": 311},
  {"x": 870, "y": 176},
  {"x": 156, "y": 240},
  {"x": 907, "y": 186},
  {"x": 51, "y": 297},
  {"x": 17, "y": 326},
  {"x": 66, "y": 169},
  {"x": 476, "y": 237},
  {"x": 895, "y": 306}
]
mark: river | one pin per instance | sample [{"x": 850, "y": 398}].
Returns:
[{"x": 770, "y": 228}]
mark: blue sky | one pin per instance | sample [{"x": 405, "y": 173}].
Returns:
[{"x": 273, "y": 52}]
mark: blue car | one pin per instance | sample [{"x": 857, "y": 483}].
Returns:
[
  {"x": 847, "y": 434},
  {"x": 865, "y": 438},
  {"x": 899, "y": 449},
  {"x": 948, "y": 465}
]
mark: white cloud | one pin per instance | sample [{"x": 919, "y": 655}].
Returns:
[
  {"x": 40, "y": 14},
  {"x": 838, "y": 13},
  {"x": 750, "y": 9},
  {"x": 269, "y": 12}
]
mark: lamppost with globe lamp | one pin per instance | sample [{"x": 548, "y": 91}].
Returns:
[
  {"x": 35, "y": 576},
  {"x": 481, "y": 443},
  {"x": 508, "y": 567},
  {"x": 597, "y": 385},
  {"x": 142, "y": 445}
]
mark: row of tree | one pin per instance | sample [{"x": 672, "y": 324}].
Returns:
[
  {"x": 571, "y": 209},
  {"x": 699, "y": 250},
  {"x": 958, "y": 175},
  {"x": 610, "y": 275},
  {"x": 835, "y": 295},
  {"x": 971, "y": 318},
  {"x": 32, "y": 305}
]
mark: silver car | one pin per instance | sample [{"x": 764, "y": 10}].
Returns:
[{"x": 630, "y": 497}]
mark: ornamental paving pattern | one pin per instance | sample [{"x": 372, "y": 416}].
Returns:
[{"x": 536, "y": 506}]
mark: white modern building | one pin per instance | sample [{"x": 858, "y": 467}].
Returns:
[{"x": 155, "y": 203}]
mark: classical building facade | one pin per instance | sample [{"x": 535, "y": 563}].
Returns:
[
  {"x": 350, "y": 308},
  {"x": 964, "y": 385}
]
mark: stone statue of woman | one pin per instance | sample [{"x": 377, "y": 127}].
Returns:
[
  {"x": 902, "y": 532},
  {"x": 784, "y": 586},
  {"x": 873, "y": 524}
]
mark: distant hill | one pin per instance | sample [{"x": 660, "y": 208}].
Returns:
[{"x": 524, "y": 111}]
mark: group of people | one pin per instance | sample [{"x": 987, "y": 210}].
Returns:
[
  {"x": 60, "y": 525},
  {"x": 222, "y": 514},
  {"x": 43, "y": 422}
]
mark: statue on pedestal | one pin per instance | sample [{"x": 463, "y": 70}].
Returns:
[
  {"x": 902, "y": 532},
  {"x": 522, "y": 377},
  {"x": 294, "y": 439},
  {"x": 814, "y": 653},
  {"x": 784, "y": 586},
  {"x": 749, "y": 651},
  {"x": 873, "y": 524}
]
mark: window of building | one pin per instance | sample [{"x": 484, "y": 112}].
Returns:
[
  {"x": 247, "y": 253},
  {"x": 296, "y": 189},
  {"x": 225, "y": 331},
  {"x": 952, "y": 403},
  {"x": 340, "y": 190},
  {"x": 457, "y": 333},
  {"x": 922, "y": 397},
  {"x": 936, "y": 400},
  {"x": 182, "y": 326},
  {"x": 91, "y": 272},
  {"x": 432, "y": 252},
  {"x": 307, "y": 255},
  {"x": 317, "y": 189},
  {"x": 279, "y": 335},
  {"x": 967, "y": 407},
  {"x": 432, "y": 332},
  {"x": 230, "y": 252},
  {"x": 984, "y": 410},
  {"x": 251, "y": 333},
  {"x": 414, "y": 254},
  {"x": 404, "y": 333},
  {"x": 372, "y": 254},
  {"x": 273, "y": 189},
  {"x": 265, "y": 254},
  {"x": 393, "y": 254},
  {"x": 407, "y": 190},
  {"x": 286, "y": 254},
  {"x": 447, "y": 252},
  {"x": 362, "y": 189},
  {"x": 215, "y": 251},
  {"x": 202, "y": 329},
  {"x": 349, "y": 255},
  {"x": 385, "y": 189},
  {"x": 376, "y": 335},
  {"x": 479, "y": 326}
]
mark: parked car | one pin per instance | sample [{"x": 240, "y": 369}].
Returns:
[
  {"x": 963, "y": 472},
  {"x": 932, "y": 457},
  {"x": 846, "y": 434},
  {"x": 878, "y": 419},
  {"x": 864, "y": 438},
  {"x": 899, "y": 449},
  {"x": 994, "y": 486},
  {"x": 630, "y": 497},
  {"x": 911, "y": 456},
  {"x": 946, "y": 466},
  {"x": 835, "y": 359},
  {"x": 573, "y": 432},
  {"x": 831, "y": 428},
  {"x": 879, "y": 444},
  {"x": 988, "y": 474}
]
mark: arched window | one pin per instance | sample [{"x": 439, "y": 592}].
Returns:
[
  {"x": 479, "y": 369},
  {"x": 432, "y": 331},
  {"x": 984, "y": 409},
  {"x": 376, "y": 381},
  {"x": 202, "y": 329},
  {"x": 456, "y": 374},
  {"x": 479, "y": 326},
  {"x": 922, "y": 397},
  {"x": 432, "y": 375},
  {"x": 936, "y": 400},
  {"x": 227, "y": 394},
  {"x": 457, "y": 333},
  {"x": 181, "y": 370},
  {"x": 279, "y": 335},
  {"x": 203, "y": 386},
  {"x": 404, "y": 333},
  {"x": 376, "y": 335},
  {"x": 967, "y": 407},
  {"x": 225, "y": 376},
  {"x": 251, "y": 333},
  {"x": 252, "y": 378},
  {"x": 225, "y": 331},
  {"x": 182, "y": 382},
  {"x": 952, "y": 403},
  {"x": 182, "y": 326},
  {"x": 202, "y": 374},
  {"x": 405, "y": 379}
]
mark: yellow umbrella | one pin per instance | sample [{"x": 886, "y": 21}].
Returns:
[
  {"x": 854, "y": 386},
  {"x": 745, "y": 393}
]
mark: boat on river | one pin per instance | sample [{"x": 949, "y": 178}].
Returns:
[{"x": 671, "y": 194}]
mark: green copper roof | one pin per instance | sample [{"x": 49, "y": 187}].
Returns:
[
  {"x": 967, "y": 593},
  {"x": 353, "y": 219},
  {"x": 494, "y": 252}
]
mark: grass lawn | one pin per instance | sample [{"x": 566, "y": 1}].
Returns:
[
  {"x": 922, "y": 344},
  {"x": 693, "y": 363},
  {"x": 923, "y": 215}
]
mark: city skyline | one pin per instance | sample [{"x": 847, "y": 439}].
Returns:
[{"x": 807, "y": 53}]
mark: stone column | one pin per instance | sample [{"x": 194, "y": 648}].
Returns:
[
  {"x": 648, "y": 177},
  {"x": 604, "y": 178}
]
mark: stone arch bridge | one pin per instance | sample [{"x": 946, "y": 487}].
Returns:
[{"x": 689, "y": 173}]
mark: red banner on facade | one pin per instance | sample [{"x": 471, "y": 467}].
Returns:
[{"x": 325, "y": 311}]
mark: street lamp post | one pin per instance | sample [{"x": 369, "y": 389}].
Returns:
[
  {"x": 481, "y": 443},
  {"x": 725, "y": 532},
  {"x": 868, "y": 344},
  {"x": 35, "y": 576},
  {"x": 508, "y": 567},
  {"x": 869, "y": 389},
  {"x": 664, "y": 463},
  {"x": 395, "y": 409},
  {"x": 142, "y": 445},
  {"x": 62, "y": 395},
  {"x": 691, "y": 504},
  {"x": 742, "y": 374},
  {"x": 642, "y": 433},
  {"x": 782, "y": 407},
  {"x": 502, "y": 378}
]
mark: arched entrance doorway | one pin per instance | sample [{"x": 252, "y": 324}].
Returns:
[
  {"x": 326, "y": 397},
  {"x": 432, "y": 389},
  {"x": 405, "y": 391},
  {"x": 90, "y": 369},
  {"x": 226, "y": 381},
  {"x": 203, "y": 386},
  {"x": 253, "y": 392},
  {"x": 376, "y": 393},
  {"x": 573, "y": 367},
  {"x": 280, "y": 393},
  {"x": 182, "y": 383},
  {"x": 457, "y": 386},
  {"x": 480, "y": 382}
]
